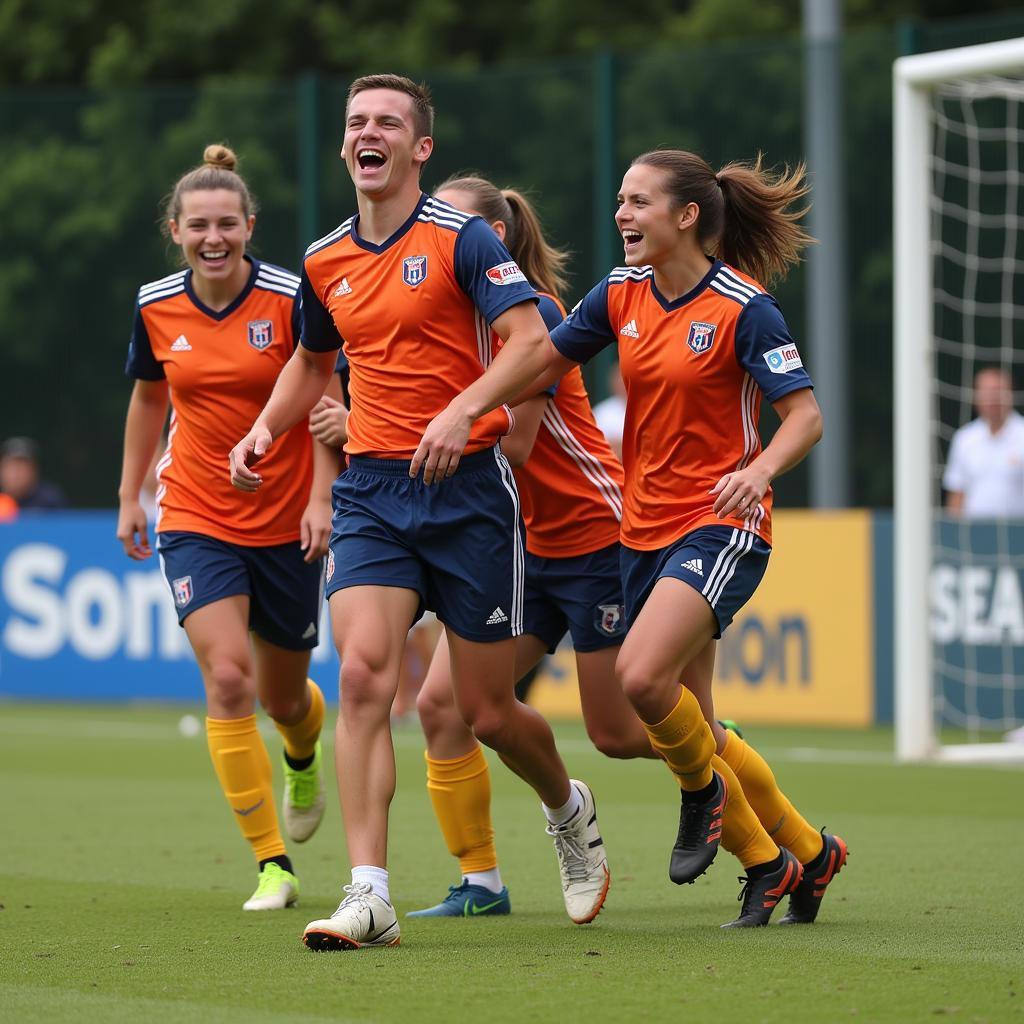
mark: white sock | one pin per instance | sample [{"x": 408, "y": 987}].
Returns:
[
  {"x": 486, "y": 879},
  {"x": 568, "y": 810},
  {"x": 377, "y": 878}
]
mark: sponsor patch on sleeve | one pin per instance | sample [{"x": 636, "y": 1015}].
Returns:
[
  {"x": 506, "y": 273},
  {"x": 783, "y": 359}
]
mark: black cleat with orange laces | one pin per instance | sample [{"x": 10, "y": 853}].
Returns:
[
  {"x": 700, "y": 834},
  {"x": 806, "y": 898}
]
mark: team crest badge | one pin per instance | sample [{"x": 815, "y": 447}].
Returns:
[
  {"x": 182, "y": 591},
  {"x": 261, "y": 334},
  {"x": 414, "y": 270},
  {"x": 611, "y": 619},
  {"x": 701, "y": 336}
]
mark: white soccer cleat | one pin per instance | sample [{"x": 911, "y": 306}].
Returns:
[
  {"x": 277, "y": 889},
  {"x": 362, "y": 919},
  {"x": 581, "y": 860},
  {"x": 304, "y": 801}
]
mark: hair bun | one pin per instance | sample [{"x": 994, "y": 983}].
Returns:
[{"x": 217, "y": 155}]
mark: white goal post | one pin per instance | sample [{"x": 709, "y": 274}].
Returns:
[{"x": 915, "y": 81}]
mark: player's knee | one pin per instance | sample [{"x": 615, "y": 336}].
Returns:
[
  {"x": 436, "y": 712},
  {"x": 230, "y": 686},
  {"x": 639, "y": 686},
  {"x": 612, "y": 744},
  {"x": 364, "y": 685},
  {"x": 489, "y": 726},
  {"x": 282, "y": 708}
]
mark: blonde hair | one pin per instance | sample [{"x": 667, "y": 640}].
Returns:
[
  {"x": 541, "y": 262},
  {"x": 217, "y": 171},
  {"x": 745, "y": 210}
]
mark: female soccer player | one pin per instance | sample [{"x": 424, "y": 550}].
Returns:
[
  {"x": 699, "y": 341},
  {"x": 570, "y": 486},
  {"x": 412, "y": 288},
  {"x": 210, "y": 340}
]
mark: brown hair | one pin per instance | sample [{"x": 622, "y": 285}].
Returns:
[
  {"x": 745, "y": 216},
  {"x": 542, "y": 263},
  {"x": 216, "y": 171},
  {"x": 423, "y": 109}
]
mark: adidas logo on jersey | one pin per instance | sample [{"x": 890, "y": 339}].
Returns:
[
  {"x": 630, "y": 330},
  {"x": 694, "y": 565},
  {"x": 497, "y": 617},
  {"x": 181, "y": 344},
  {"x": 344, "y": 288}
]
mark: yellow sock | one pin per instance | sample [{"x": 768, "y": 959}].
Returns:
[
  {"x": 460, "y": 790},
  {"x": 742, "y": 834},
  {"x": 685, "y": 741},
  {"x": 780, "y": 818},
  {"x": 300, "y": 738},
  {"x": 240, "y": 759}
]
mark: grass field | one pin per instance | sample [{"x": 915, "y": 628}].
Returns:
[{"x": 122, "y": 877}]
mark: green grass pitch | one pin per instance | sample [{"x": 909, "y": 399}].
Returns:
[{"x": 122, "y": 878}]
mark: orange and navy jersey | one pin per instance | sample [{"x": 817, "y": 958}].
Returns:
[
  {"x": 695, "y": 370},
  {"x": 412, "y": 315},
  {"x": 221, "y": 367},
  {"x": 570, "y": 488}
]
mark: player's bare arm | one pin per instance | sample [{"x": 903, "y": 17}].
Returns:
[
  {"x": 800, "y": 430},
  {"x": 527, "y": 353},
  {"x": 298, "y": 388},
  {"x": 147, "y": 413}
]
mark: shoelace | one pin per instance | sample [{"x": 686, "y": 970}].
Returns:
[
  {"x": 745, "y": 892},
  {"x": 357, "y": 897},
  {"x": 270, "y": 878},
  {"x": 571, "y": 857},
  {"x": 690, "y": 825},
  {"x": 455, "y": 893},
  {"x": 302, "y": 787}
]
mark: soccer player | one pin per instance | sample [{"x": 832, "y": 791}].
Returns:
[
  {"x": 700, "y": 341},
  {"x": 570, "y": 486},
  {"x": 210, "y": 341},
  {"x": 413, "y": 288}
]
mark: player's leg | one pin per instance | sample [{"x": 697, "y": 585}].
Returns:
[
  {"x": 483, "y": 683},
  {"x": 210, "y": 584},
  {"x": 285, "y": 617},
  {"x": 459, "y": 785},
  {"x": 612, "y": 724},
  {"x": 370, "y": 625}
]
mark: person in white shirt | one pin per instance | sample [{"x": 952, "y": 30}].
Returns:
[
  {"x": 610, "y": 413},
  {"x": 985, "y": 472}
]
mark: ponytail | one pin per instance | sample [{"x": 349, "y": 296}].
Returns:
[
  {"x": 745, "y": 210},
  {"x": 542, "y": 263}
]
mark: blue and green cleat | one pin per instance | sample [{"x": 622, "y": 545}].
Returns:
[{"x": 468, "y": 901}]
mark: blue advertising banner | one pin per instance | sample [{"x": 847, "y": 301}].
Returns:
[{"x": 81, "y": 621}]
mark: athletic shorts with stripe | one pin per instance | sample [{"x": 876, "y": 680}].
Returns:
[
  {"x": 285, "y": 592},
  {"x": 458, "y": 543},
  {"x": 724, "y": 564},
  {"x": 582, "y": 594}
]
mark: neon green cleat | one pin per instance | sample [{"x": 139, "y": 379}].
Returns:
[
  {"x": 277, "y": 889},
  {"x": 304, "y": 800}
]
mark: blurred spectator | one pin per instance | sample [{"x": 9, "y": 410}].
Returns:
[
  {"x": 19, "y": 476},
  {"x": 610, "y": 413},
  {"x": 985, "y": 472}
]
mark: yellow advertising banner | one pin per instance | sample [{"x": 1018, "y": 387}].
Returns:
[{"x": 802, "y": 650}]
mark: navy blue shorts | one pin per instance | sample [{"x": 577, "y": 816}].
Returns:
[
  {"x": 582, "y": 594},
  {"x": 723, "y": 563},
  {"x": 285, "y": 592},
  {"x": 458, "y": 543}
]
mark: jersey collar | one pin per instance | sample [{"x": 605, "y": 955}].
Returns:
[
  {"x": 234, "y": 304},
  {"x": 690, "y": 295},
  {"x": 397, "y": 236}
]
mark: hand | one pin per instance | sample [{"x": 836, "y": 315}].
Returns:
[
  {"x": 328, "y": 422},
  {"x": 131, "y": 521},
  {"x": 739, "y": 493},
  {"x": 315, "y": 529},
  {"x": 247, "y": 453},
  {"x": 441, "y": 446}
]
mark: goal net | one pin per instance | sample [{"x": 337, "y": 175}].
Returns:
[{"x": 959, "y": 308}]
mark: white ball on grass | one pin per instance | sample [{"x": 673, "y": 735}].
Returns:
[{"x": 189, "y": 725}]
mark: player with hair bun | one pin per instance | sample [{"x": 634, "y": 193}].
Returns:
[
  {"x": 700, "y": 342},
  {"x": 246, "y": 576}
]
